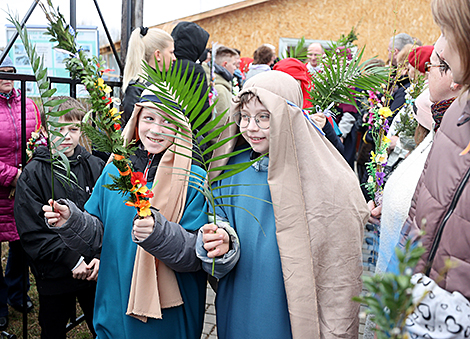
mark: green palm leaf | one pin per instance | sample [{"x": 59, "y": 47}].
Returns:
[{"x": 176, "y": 88}]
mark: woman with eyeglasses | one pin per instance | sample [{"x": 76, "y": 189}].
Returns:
[
  {"x": 440, "y": 203},
  {"x": 11, "y": 285},
  {"x": 307, "y": 235}
]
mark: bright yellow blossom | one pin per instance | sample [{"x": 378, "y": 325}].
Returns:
[{"x": 385, "y": 112}]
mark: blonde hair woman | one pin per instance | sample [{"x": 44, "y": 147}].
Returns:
[{"x": 154, "y": 46}]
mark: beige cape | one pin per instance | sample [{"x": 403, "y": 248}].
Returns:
[
  {"x": 154, "y": 285},
  {"x": 319, "y": 211}
]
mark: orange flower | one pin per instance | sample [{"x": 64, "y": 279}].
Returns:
[
  {"x": 143, "y": 207},
  {"x": 118, "y": 157}
]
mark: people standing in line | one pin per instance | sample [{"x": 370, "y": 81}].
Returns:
[
  {"x": 440, "y": 202},
  {"x": 154, "y": 46},
  {"x": 150, "y": 284},
  {"x": 263, "y": 58},
  {"x": 283, "y": 283},
  {"x": 11, "y": 284},
  {"x": 62, "y": 275}
]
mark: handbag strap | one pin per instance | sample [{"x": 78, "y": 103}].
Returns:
[{"x": 440, "y": 230}]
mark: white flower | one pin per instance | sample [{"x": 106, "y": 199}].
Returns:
[{"x": 395, "y": 331}]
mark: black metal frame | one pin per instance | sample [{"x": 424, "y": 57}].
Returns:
[{"x": 24, "y": 78}]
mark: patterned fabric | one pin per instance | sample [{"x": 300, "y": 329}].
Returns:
[
  {"x": 438, "y": 109},
  {"x": 6, "y": 95},
  {"x": 439, "y": 314}
]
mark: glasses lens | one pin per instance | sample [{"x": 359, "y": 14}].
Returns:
[
  {"x": 262, "y": 120},
  {"x": 242, "y": 120}
]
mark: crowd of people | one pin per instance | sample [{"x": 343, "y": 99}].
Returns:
[{"x": 286, "y": 244}]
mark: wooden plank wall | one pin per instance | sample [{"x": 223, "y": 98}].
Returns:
[{"x": 249, "y": 27}]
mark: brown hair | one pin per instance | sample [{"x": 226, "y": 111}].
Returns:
[
  {"x": 420, "y": 133},
  {"x": 453, "y": 17},
  {"x": 223, "y": 54},
  {"x": 76, "y": 113},
  {"x": 263, "y": 55}
]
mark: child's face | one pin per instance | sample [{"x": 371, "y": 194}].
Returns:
[
  {"x": 151, "y": 127},
  {"x": 254, "y": 124},
  {"x": 72, "y": 135}
]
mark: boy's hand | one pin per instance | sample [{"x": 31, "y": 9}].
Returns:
[
  {"x": 93, "y": 268},
  {"x": 216, "y": 240},
  {"x": 375, "y": 212},
  {"x": 59, "y": 216},
  {"x": 81, "y": 271},
  {"x": 143, "y": 227}
]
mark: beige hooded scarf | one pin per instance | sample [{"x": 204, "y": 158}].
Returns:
[
  {"x": 154, "y": 285},
  {"x": 319, "y": 211}
]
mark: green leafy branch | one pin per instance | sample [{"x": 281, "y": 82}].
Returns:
[
  {"x": 389, "y": 296},
  {"x": 172, "y": 87},
  {"x": 342, "y": 80},
  {"x": 298, "y": 52},
  {"x": 52, "y": 125}
]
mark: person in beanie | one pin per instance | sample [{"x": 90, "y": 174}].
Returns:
[{"x": 11, "y": 285}]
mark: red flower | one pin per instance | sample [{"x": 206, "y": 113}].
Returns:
[
  {"x": 138, "y": 178},
  {"x": 107, "y": 70},
  {"x": 117, "y": 127}
]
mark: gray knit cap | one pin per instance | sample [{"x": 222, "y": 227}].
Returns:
[{"x": 7, "y": 63}]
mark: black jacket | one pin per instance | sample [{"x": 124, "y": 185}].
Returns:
[
  {"x": 190, "y": 43},
  {"x": 52, "y": 261}
]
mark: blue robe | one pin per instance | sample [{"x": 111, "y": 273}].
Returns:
[
  {"x": 251, "y": 300},
  {"x": 117, "y": 263}
]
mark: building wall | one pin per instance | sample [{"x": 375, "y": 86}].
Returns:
[{"x": 248, "y": 28}]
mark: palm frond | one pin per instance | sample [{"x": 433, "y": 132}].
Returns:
[
  {"x": 342, "y": 80},
  {"x": 49, "y": 105}
]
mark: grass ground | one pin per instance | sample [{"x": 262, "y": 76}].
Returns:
[{"x": 34, "y": 331}]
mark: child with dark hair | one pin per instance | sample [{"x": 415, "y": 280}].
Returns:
[{"x": 62, "y": 275}]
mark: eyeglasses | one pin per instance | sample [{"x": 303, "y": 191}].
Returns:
[
  {"x": 261, "y": 120},
  {"x": 443, "y": 67},
  {"x": 11, "y": 70}
]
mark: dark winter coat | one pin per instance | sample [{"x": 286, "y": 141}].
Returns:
[
  {"x": 52, "y": 261},
  {"x": 190, "y": 43},
  {"x": 10, "y": 155}
]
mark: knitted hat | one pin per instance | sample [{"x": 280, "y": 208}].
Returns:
[
  {"x": 419, "y": 56},
  {"x": 7, "y": 63},
  {"x": 422, "y": 110}
]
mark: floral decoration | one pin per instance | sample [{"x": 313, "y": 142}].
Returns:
[
  {"x": 378, "y": 127},
  {"x": 105, "y": 130}
]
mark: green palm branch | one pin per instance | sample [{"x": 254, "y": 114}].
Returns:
[
  {"x": 175, "y": 84},
  {"x": 342, "y": 81},
  {"x": 59, "y": 162},
  {"x": 298, "y": 52}
]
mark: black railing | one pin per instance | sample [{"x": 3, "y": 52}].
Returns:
[{"x": 23, "y": 79}]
